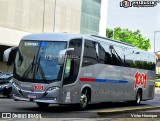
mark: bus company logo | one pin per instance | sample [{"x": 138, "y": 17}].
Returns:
[
  {"x": 38, "y": 87},
  {"x": 140, "y": 80},
  {"x": 50, "y": 57},
  {"x": 147, "y": 3},
  {"x": 125, "y": 4}
]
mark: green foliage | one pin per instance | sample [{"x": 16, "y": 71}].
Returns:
[{"x": 128, "y": 36}]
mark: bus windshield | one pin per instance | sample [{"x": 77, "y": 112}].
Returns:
[{"x": 38, "y": 61}]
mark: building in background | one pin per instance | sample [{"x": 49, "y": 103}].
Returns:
[{"x": 22, "y": 17}]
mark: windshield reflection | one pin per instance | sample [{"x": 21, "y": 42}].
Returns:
[{"x": 38, "y": 60}]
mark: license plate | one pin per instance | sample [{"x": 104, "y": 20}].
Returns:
[{"x": 32, "y": 96}]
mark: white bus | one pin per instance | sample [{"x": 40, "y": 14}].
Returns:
[{"x": 62, "y": 68}]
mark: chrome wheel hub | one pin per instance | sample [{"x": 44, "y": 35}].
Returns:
[
  {"x": 83, "y": 100},
  {"x": 138, "y": 99}
]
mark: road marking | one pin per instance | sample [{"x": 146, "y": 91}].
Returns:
[{"x": 129, "y": 109}]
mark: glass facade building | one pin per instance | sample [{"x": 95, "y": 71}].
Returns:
[
  {"x": 22, "y": 17},
  {"x": 90, "y": 16}
]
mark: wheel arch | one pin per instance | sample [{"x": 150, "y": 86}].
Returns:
[{"x": 88, "y": 87}]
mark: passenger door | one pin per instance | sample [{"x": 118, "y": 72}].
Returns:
[
  {"x": 71, "y": 71},
  {"x": 89, "y": 71}
]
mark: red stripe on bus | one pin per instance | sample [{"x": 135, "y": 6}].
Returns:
[{"x": 87, "y": 79}]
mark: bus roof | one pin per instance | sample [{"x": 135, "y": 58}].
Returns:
[
  {"x": 51, "y": 36},
  {"x": 68, "y": 36}
]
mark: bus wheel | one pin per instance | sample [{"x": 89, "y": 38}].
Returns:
[
  {"x": 42, "y": 105},
  {"x": 9, "y": 91},
  {"x": 138, "y": 98},
  {"x": 84, "y": 100}
]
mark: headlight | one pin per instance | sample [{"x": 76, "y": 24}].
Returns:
[
  {"x": 16, "y": 86},
  {"x": 52, "y": 88}
]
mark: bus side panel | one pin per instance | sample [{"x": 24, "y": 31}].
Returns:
[
  {"x": 71, "y": 93},
  {"x": 87, "y": 78},
  {"x": 115, "y": 83},
  {"x": 111, "y": 86},
  {"x": 148, "y": 93}
]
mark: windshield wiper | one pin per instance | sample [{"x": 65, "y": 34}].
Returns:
[
  {"x": 29, "y": 69},
  {"x": 40, "y": 69}
]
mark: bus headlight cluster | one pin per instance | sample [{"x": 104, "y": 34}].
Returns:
[
  {"x": 16, "y": 86},
  {"x": 52, "y": 88}
]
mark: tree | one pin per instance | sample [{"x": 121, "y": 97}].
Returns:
[{"x": 128, "y": 36}]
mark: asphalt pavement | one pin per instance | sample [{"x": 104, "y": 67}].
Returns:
[{"x": 72, "y": 113}]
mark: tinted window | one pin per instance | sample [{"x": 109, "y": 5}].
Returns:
[
  {"x": 116, "y": 55},
  {"x": 105, "y": 53},
  {"x": 138, "y": 60},
  {"x": 110, "y": 54},
  {"x": 151, "y": 62},
  {"x": 102, "y": 55},
  {"x": 90, "y": 56},
  {"x": 145, "y": 61},
  {"x": 128, "y": 58}
]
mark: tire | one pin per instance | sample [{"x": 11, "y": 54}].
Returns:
[
  {"x": 42, "y": 105},
  {"x": 84, "y": 99},
  {"x": 5, "y": 91},
  {"x": 138, "y": 98},
  {"x": 9, "y": 93}
]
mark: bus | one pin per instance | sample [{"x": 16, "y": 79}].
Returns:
[{"x": 63, "y": 68}]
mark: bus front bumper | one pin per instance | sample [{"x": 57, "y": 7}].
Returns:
[{"x": 51, "y": 101}]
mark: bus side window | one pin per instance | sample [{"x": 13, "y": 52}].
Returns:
[
  {"x": 129, "y": 58},
  {"x": 117, "y": 55},
  {"x": 102, "y": 55},
  {"x": 151, "y": 63},
  {"x": 145, "y": 61},
  {"x": 105, "y": 48},
  {"x": 138, "y": 60},
  {"x": 90, "y": 53}
]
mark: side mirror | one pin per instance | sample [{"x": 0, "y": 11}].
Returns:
[
  {"x": 9, "y": 55},
  {"x": 62, "y": 55}
]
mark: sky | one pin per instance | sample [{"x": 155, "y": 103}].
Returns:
[{"x": 147, "y": 20}]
